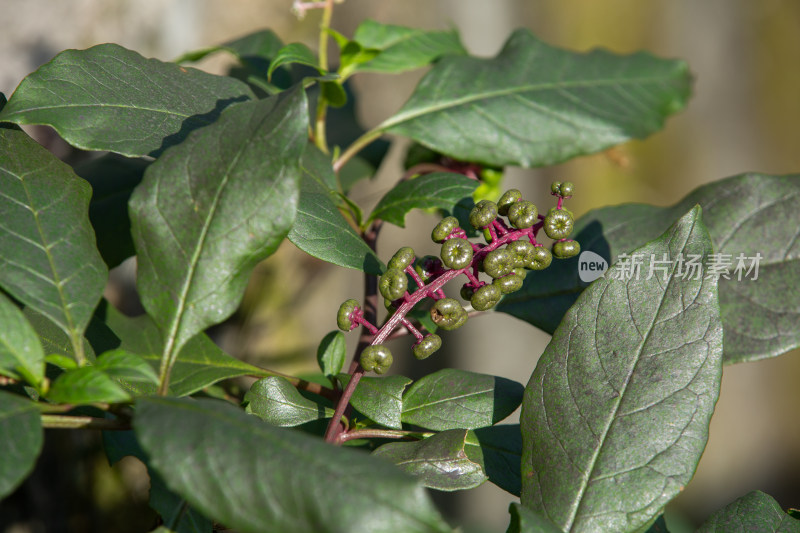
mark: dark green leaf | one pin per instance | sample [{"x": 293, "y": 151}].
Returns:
[
  {"x": 746, "y": 215},
  {"x": 524, "y": 520},
  {"x": 262, "y": 44},
  {"x": 498, "y": 449},
  {"x": 276, "y": 401},
  {"x": 294, "y": 53},
  {"x": 659, "y": 526},
  {"x": 755, "y": 511},
  {"x": 403, "y": 48},
  {"x": 126, "y": 366},
  {"x": 110, "y": 98},
  {"x": 331, "y": 353},
  {"x": 21, "y": 353},
  {"x": 20, "y": 440},
  {"x": 616, "y": 414},
  {"x": 49, "y": 260},
  {"x": 535, "y": 105},
  {"x": 113, "y": 179},
  {"x": 438, "y": 190},
  {"x": 255, "y": 477},
  {"x": 53, "y": 338},
  {"x": 439, "y": 462},
  {"x": 85, "y": 385},
  {"x": 210, "y": 209},
  {"x": 381, "y": 399},
  {"x": 320, "y": 230},
  {"x": 457, "y": 399}
]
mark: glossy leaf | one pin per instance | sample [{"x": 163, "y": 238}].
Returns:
[
  {"x": 381, "y": 399},
  {"x": 210, "y": 209},
  {"x": 110, "y": 98},
  {"x": 127, "y": 366},
  {"x": 746, "y": 215},
  {"x": 49, "y": 260},
  {"x": 498, "y": 449},
  {"x": 457, "y": 399},
  {"x": 438, "y": 462},
  {"x": 441, "y": 190},
  {"x": 86, "y": 385},
  {"x": 320, "y": 230},
  {"x": 616, "y": 414},
  {"x": 113, "y": 179},
  {"x": 276, "y": 401},
  {"x": 254, "y": 477},
  {"x": 535, "y": 105},
  {"x": 523, "y": 520},
  {"x": 755, "y": 511},
  {"x": 331, "y": 353},
  {"x": 21, "y": 439},
  {"x": 294, "y": 53},
  {"x": 21, "y": 354},
  {"x": 402, "y": 48}
]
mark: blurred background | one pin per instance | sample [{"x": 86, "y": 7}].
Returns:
[{"x": 743, "y": 117}]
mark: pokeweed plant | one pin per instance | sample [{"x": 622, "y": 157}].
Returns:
[{"x": 202, "y": 176}]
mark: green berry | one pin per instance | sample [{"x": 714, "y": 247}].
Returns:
[
  {"x": 343, "y": 316},
  {"x": 509, "y": 283},
  {"x": 467, "y": 291},
  {"x": 558, "y": 223},
  {"x": 541, "y": 259},
  {"x": 509, "y": 198},
  {"x": 402, "y": 258},
  {"x": 523, "y": 214},
  {"x": 448, "y": 314},
  {"x": 443, "y": 229},
  {"x": 426, "y": 265},
  {"x": 555, "y": 187},
  {"x": 521, "y": 272},
  {"x": 483, "y": 214},
  {"x": 498, "y": 263},
  {"x": 456, "y": 253},
  {"x": 376, "y": 358},
  {"x": 393, "y": 284},
  {"x": 522, "y": 251},
  {"x": 567, "y": 188},
  {"x": 427, "y": 346},
  {"x": 566, "y": 249},
  {"x": 486, "y": 297}
]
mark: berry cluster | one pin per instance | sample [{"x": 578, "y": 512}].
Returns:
[{"x": 509, "y": 227}]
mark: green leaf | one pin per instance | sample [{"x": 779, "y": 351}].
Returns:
[
  {"x": 113, "y": 179},
  {"x": 746, "y": 215},
  {"x": 755, "y": 511},
  {"x": 457, "y": 399},
  {"x": 274, "y": 400},
  {"x": 498, "y": 449},
  {"x": 53, "y": 339},
  {"x": 523, "y": 520},
  {"x": 61, "y": 361},
  {"x": 616, "y": 414},
  {"x": 331, "y": 353},
  {"x": 200, "y": 362},
  {"x": 85, "y": 385},
  {"x": 659, "y": 526},
  {"x": 320, "y": 230},
  {"x": 126, "y": 366},
  {"x": 109, "y": 98},
  {"x": 294, "y": 53},
  {"x": 210, "y": 209},
  {"x": 439, "y": 462},
  {"x": 254, "y": 477},
  {"x": 49, "y": 260},
  {"x": 380, "y": 399},
  {"x": 21, "y": 354},
  {"x": 21, "y": 439},
  {"x": 259, "y": 45},
  {"x": 403, "y": 48},
  {"x": 437, "y": 190},
  {"x": 536, "y": 105}
]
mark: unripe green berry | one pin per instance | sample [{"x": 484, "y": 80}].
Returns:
[
  {"x": 567, "y": 188},
  {"x": 522, "y": 251},
  {"x": 521, "y": 272},
  {"x": 483, "y": 214},
  {"x": 393, "y": 284},
  {"x": 486, "y": 297},
  {"x": 509, "y": 198},
  {"x": 402, "y": 258},
  {"x": 523, "y": 214},
  {"x": 508, "y": 283},
  {"x": 541, "y": 259},
  {"x": 558, "y": 223},
  {"x": 443, "y": 229},
  {"x": 376, "y": 358},
  {"x": 467, "y": 291},
  {"x": 448, "y": 314},
  {"x": 427, "y": 346},
  {"x": 343, "y": 316},
  {"x": 566, "y": 249},
  {"x": 426, "y": 265},
  {"x": 456, "y": 253},
  {"x": 555, "y": 187},
  {"x": 498, "y": 263}
]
